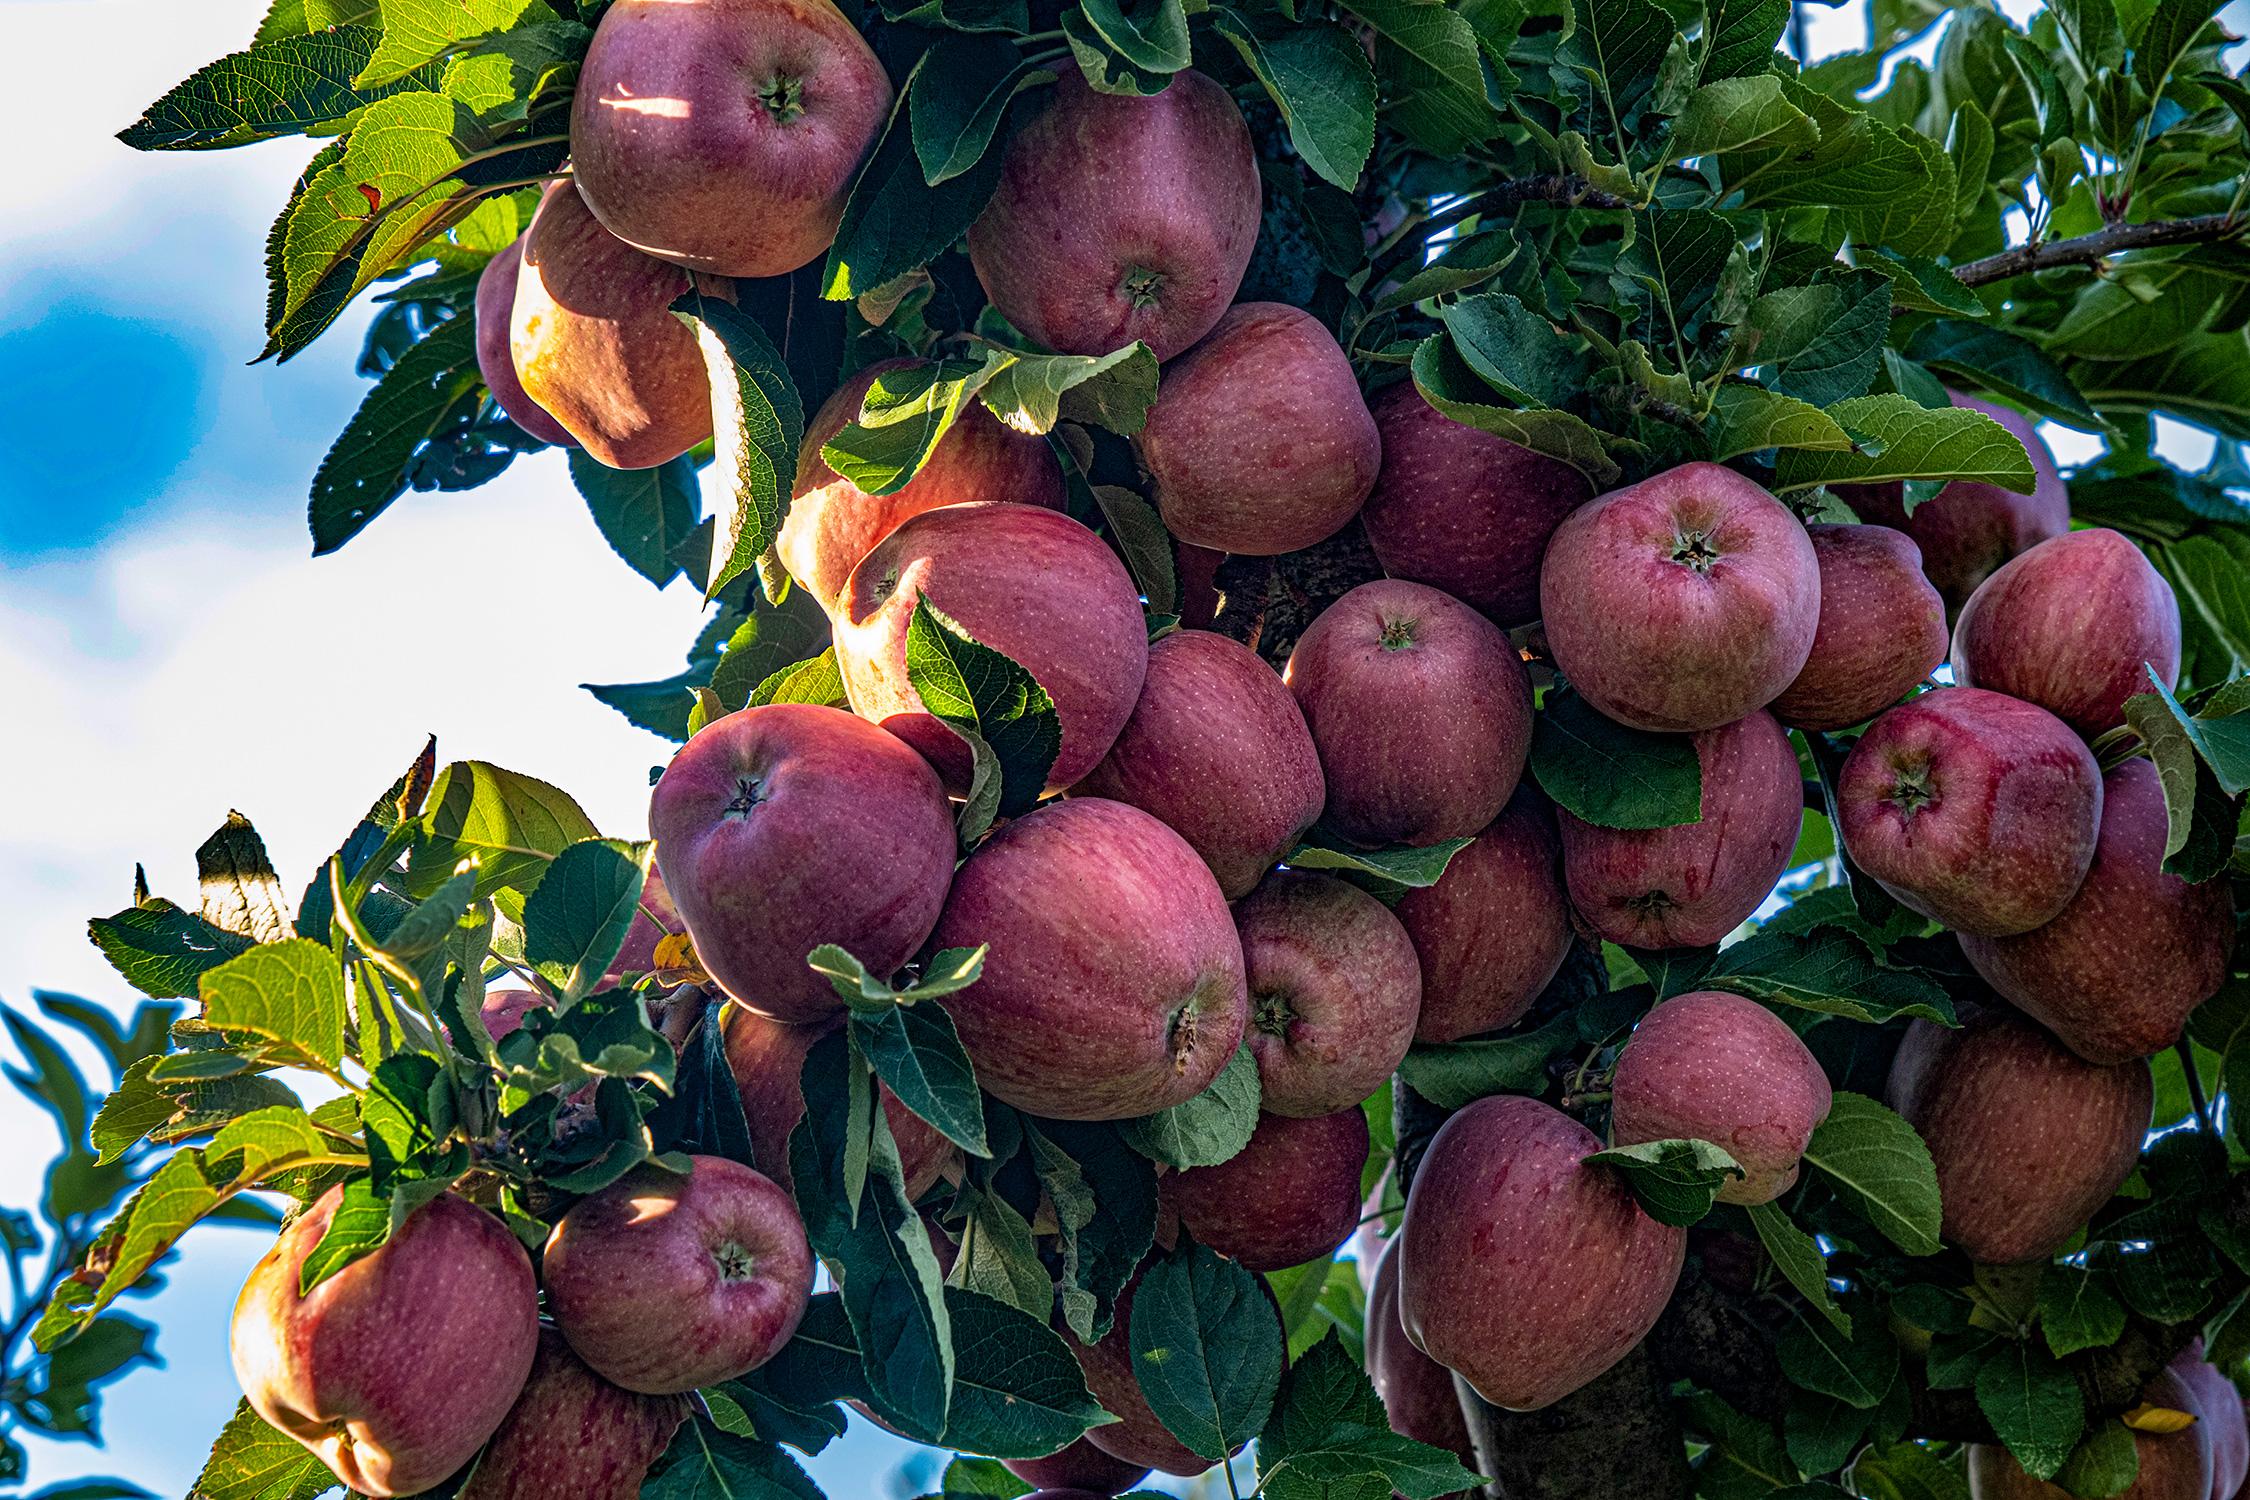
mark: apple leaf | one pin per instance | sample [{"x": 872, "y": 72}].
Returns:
[
  {"x": 284, "y": 85},
  {"x": 1675, "y": 1181},
  {"x": 2104, "y": 1465},
  {"x": 1206, "y": 1350},
  {"x": 999, "y": 1255},
  {"x": 1821, "y": 1434},
  {"x": 512, "y": 825},
  {"x": 902, "y": 417},
  {"x": 602, "y": 1036},
  {"x": 1137, "y": 531},
  {"x": 254, "y": 1461},
  {"x": 417, "y": 31},
  {"x": 2204, "y": 763},
  {"x": 2076, "y": 1311},
  {"x": 1900, "y": 439},
  {"x": 895, "y": 222},
  {"x": 1464, "y": 263},
  {"x": 1856, "y": 1364},
  {"x": 1448, "y": 384},
  {"x": 429, "y": 390},
  {"x": 1208, "y": 1129},
  {"x": 1431, "y": 74},
  {"x": 1746, "y": 418},
  {"x": 958, "y": 97},
  {"x": 1104, "y": 1196},
  {"x": 1452, "y": 1074},
  {"x": 1329, "y": 1435},
  {"x": 1831, "y": 971},
  {"x": 818, "y": 680},
  {"x": 1797, "y": 1256},
  {"x": 2006, "y": 363},
  {"x": 915, "y": 1050},
  {"x": 161, "y": 950},
  {"x": 291, "y": 993},
  {"x": 1737, "y": 114},
  {"x": 1747, "y": 1457},
  {"x": 1606, "y": 774},
  {"x": 1908, "y": 1470},
  {"x": 757, "y": 420},
  {"x": 1824, "y": 342},
  {"x": 1320, "y": 80},
  {"x": 990, "y": 701},
  {"x": 707, "y": 1462},
  {"x": 644, "y": 514},
  {"x": 1879, "y": 1165},
  {"x": 1392, "y": 871},
  {"x": 1032, "y": 392},
  {"x": 576, "y": 920},
  {"x": 1153, "y": 37},
  {"x": 2033, "y": 1403}
]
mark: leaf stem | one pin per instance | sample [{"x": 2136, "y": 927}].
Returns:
[{"x": 2202, "y": 1106}]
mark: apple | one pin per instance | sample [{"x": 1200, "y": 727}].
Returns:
[
  {"x": 2073, "y": 625},
  {"x": 2219, "y": 1412},
  {"x": 655, "y": 919},
  {"x": 1259, "y": 442},
  {"x": 1335, "y": 989},
  {"x": 495, "y": 306},
  {"x": 1033, "y": 585},
  {"x": 1462, "y": 510},
  {"x": 2116, "y": 971},
  {"x": 1136, "y": 1436},
  {"x": 1114, "y": 986},
  {"x": 1716, "y": 1067},
  {"x": 1289, "y": 1196},
  {"x": 1495, "y": 927},
  {"x": 503, "y": 1010},
  {"x": 767, "y": 1058},
  {"x": 596, "y": 344},
  {"x": 396, "y": 1369},
  {"x": 2013, "y": 1194},
  {"x": 2173, "y": 1465},
  {"x": 1689, "y": 886},
  {"x": 1081, "y": 1467},
  {"x": 832, "y": 523},
  {"x": 1417, "y": 1391},
  {"x": 1521, "y": 1268},
  {"x": 1684, "y": 602},
  {"x": 1217, "y": 749},
  {"x": 1120, "y": 217},
  {"x": 1421, "y": 711},
  {"x": 723, "y": 135},
  {"x": 1882, "y": 629},
  {"x": 573, "y": 1433},
  {"x": 1968, "y": 528},
  {"x": 787, "y": 826},
  {"x": 667, "y": 1282},
  {"x": 1973, "y": 808}
]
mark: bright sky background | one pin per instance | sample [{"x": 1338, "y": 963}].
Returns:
[{"x": 169, "y": 650}]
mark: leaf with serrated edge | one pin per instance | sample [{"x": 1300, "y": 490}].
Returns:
[{"x": 1880, "y": 1166}]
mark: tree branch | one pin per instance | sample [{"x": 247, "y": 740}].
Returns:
[{"x": 2088, "y": 249}]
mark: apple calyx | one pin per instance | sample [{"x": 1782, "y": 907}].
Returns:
[
  {"x": 736, "y": 1263},
  {"x": 1398, "y": 634},
  {"x": 1695, "y": 550},
  {"x": 1142, "y": 286},
  {"x": 749, "y": 792},
  {"x": 1183, "y": 1034},
  {"x": 784, "y": 98},
  {"x": 1271, "y": 1012},
  {"x": 1911, "y": 791}
]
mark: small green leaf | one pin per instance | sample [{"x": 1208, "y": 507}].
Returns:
[
  {"x": 371, "y": 462},
  {"x": 161, "y": 950},
  {"x": 252, "y": 1461},
  {"x": 2076, "y": 1311},
  {"x": 1675, "y": 1181},
  {"x": 1206, "y": 1350},
  {"x": 1831, "y": 971},
  {"x": 1747, "y": 418},
  {"x": 1402, "y": 868},
  {"x": 915, "y": 1050},
  {"x": 758, "y": 421},
  {"x": 1319, "y": 78},
  {"x": 415, "y": 31},
  {"x": 958, "y": 97},
  {"x": 894, "y": 221},
  {"x": 283, "y": 85},
  {"x": 1452, "y": 1074},
  {"x": 1739, "y": 114},
  {"x": 1854, "y": 1365},
  {"x": 644, "y": 514},
  {"x": 291, "y": 993},
  {"x": 1611, "y": 776},
  {"x": 1208, "y": 1129},
  {"x": 576, "y": 920},
  {"x": 979, "y": 691},
  {"x": 1879, "y": 1165},
  {"x": 1448, "y": 384},
  {"x": 512, "y": 826},
  {"x": 1797, "y": 1256},
  {"x": 1915, "y": 443},
  {"x": 2033, "y": 1403}
]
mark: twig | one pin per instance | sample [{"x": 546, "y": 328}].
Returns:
[
  {"x": 2088, "y": 249},
  {"x": 2216, "y": 1147}
]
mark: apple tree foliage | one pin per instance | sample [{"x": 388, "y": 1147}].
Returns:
[{"x": 1624, "y": 233}]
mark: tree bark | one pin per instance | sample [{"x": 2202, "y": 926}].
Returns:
[{"x": 2087, "y": 249}]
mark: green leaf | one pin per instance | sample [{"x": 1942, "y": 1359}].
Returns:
[
  {"x": 1609, "y": 775},
  {"x": 1019, "y": 1392},
  {"x": 1831, "y": 971},
  {"x": 1137, "y": 531},
  {"x": 1914, "y": 442},
  {"x": 372, "y": 461},
  {"x": 1821, "y": 1434},
  {"x": 1908, "y": 1471},
  {"x": 284, "y": 85},
  {"x": 816, "y": 681},
  {"x": 1329, "y": 1436},
  {"x": 1739, "y": 36},
  {"x": 1104, "y": 1196},
  {"x": 1747, "y": 418},
  {"x": 1922, "y": 285},
  {"x": 903, "y": 416},
  {"x": 706, "y": 1462},
  {"x": 1461, "y": 263},
  {"x": 290, "y": 993},
  {"x": 1896, "y": 184},
  {"x": 1152, "y": 35},
  {"x": 2201, "y": 813},
  {"x": 2203, "y": 379},
  {"x": 915, "y": 1050},
  {"x": 161, "y": 950},
  {"x": 1797, "y": 1256},
  {"x": 989, "y": 700},
  {"x": 958, "y": 97},
  {"x": 894, "y": 221},
  {"x": 360, "y": 1226},
  {"x": 644, "y": 514},
  {"x": 1402, "y": 868},
  {"x": 1514, "y": 350},
  {"x": 2105, "y": 1464},
  {"x": 2033, "y": 1403},
  {"x": 2006, "y": 363},
  {"x": 2076, "y": 1312},
  {"x": 1740, "y": 114},
  {"x": 759, "y": 422},
  {"x": 1747, "y": 1457},
  {"x": 1448, "y": 384},
  {"x": 1855, "y": 1366},
  {"x": 1880, "y": 1167},
  {"x": 1206, "y": 1350},
  {"x": 1208, "y": 1129},
  {"x": 1824, "y": 342},
  {"x": 1433, "y": 79},
  {"x": 1452, "y": 1074},
  {"x": 1320, "y": 79},
  {"x": 2158, "y": 46},
  {"x": 512, "y": 825},
  {"x": 576, "y": 920},
  {"x": 1676, "y": 1181},
  {"x": 1031, "y": 392},
  {"x": 416, "y": 31},
  {"x": 252, "y": 1461},
  {"x": 1618, "y": 46},
  {"x": 999, "y": 1255}
]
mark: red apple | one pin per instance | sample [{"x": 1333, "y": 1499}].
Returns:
[
  {"x": 1521, "y": 1268},
  {"x": 496, "y": 305},
  {"x": 573, "y": 1433},
  {"x": 1114, "y": 986},
  {"x": 2173, "y": 1465},
  {"x": 503, "y": 1011},
  {"x": 1421, "y": 711},
  {"x": 2115, "y": 973},
  {"x": 1033, "y": 585},
  {"x": 1688, "y": 886},
  {"x": 1335, "y": 989},
  {"x": 1217, "y": 749},
  {"x": 1081, "y": 1468},
  {"x": 1684, "y": 602},
  {"x": 2012, "y": 1194},
  {"x": 723, "y": 135},
  {"x": 666, "y": 1282},
  {"x": 2073, "y": 625},
  {"x": 1973, "y": 808},
  {"x": 1417, "y": 1391},
  {"x": 1120, "y": 217},
  {"x": 1494, "y": 928},
  {"x": 396, "y": 1369},
  {"x": 1967, "y": 529},
  {"x": 767, "y": 1058},
  {"x": 2219, "y": 1412},
  {"x": 1882, "y": 629},
  {"x": 1716, "y": 1067},
  {"x": 1259, "y": 442},
  {"x": 1289, "y": 1196},
  {"x": 832, "y": 523},
  {"x": 1462, "y": 510},
  {"x": 596, "y": 344}
]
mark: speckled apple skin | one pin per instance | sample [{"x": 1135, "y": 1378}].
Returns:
[
  {"x": 1417, "y": 1391},
  {"x": 496, "y": 305},
  {"x": 1101, "y": 188},
  {"x": 396, "y": 1369},
  {"x": 1080, "y": 1469},
  {"x": 2117, "y": 971},
  {"x": 832, "y": 523},
  {"x": 2173, "y": 1465},
  {"x": 1217, "y": 749},
  {"x": 573, "y": 1433},
  {"x": 1259, "y": 442},
  {"x": 2013, "y": 1195},
  {"x": 1495, "y": 927},
  {"x": 1659, "y": 644},
  {"x": 767, "y": 1058},
  {"x": 1521, "y": 1268},
  {"x": 1335, "y": 990},
  {"x": 783, "y": 827},
  {"x": 643, "y": 1276},
  {"x": 1722, "y": 1068},
  {"x": 2074, "y": 625},
  {"x": 1289, "y": 1196},
  {"x": 1032, "y": 584},
  {"x": 1690, "y": 885},
  {"x": 1968, "y": 528},
  {"x": 1882, "y": 629},
  {"x": 1463, "y": 510},
  {"x": 713, "y": 178},
  {"x": 1114, "y": 986},
  {"x": 2005, "y": 830},
  {"x": 1421, "y": 711}
]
